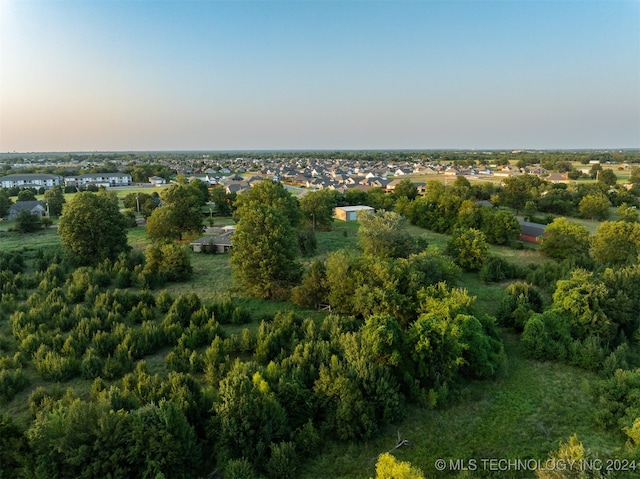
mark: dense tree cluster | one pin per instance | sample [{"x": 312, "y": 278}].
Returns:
[{"x": 271, "y": 395}]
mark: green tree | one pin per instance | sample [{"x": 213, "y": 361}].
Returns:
[
  {"x": 407, "y": 189},
  {"x": 627, "y": 213},
  {"x": 249, "y": 415},
  {"x": 383, "y": 235},
  {"x": 594, "y": 206},
  {"x": 92, "y": 229},
  {"x": 500, "y": 227},
  {"x": 162, "y": 225},
  {"x": 26, "y": 195},
  {"x": 518, "y": 190},
  {"x": 317, "y": 208},
  {"x": 27, "y": 222},
  {"x": 169, "y": 261},
  {"x": 564, "y": 240},
  {"x": 141, "y": 203},
  {"x": 5, "y": 203},
  {"x": 273, "y": 194},
  {"x": 378, "y": 199},
  {"x": 595, "y": 170},
  {"x": 54, "y": 199},
  {"x": 180, "y": 213},
  {"x": 634, "y": 175},
  {"x": 223, "y": 201},
  {"x": 265, "y": 252},
  {"x": 583, "y": 298},
  {"x": 617, "y": 243},
  {"x": 469, "y": 248},
  {"x": 607, "y": 178}
]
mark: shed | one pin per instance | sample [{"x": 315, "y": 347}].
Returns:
[
  {"x": 531, "y": 232},
  {"x": 349, "y": 213}
]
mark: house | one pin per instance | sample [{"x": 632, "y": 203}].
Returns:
[
  {"x": 30, "y": 180},
  {"x": 557, "y": 178},
  {"x": 349, "y": 213},
  {"x": 34, "y": 207},
  {"x": 157, "y": 180},
  {"x": 531, "y": 232},
  {"x": 213, "y": 244}
]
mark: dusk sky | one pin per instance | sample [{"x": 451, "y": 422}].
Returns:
[{"x": 115, "y": 75}]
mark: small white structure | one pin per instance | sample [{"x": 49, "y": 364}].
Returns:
[{"x": 350, "y": 213}]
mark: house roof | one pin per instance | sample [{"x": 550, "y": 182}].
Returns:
[
  {"x": 221, "y": 239},
  {"x": 19, "y": 206}
]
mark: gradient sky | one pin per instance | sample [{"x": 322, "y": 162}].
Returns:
[{"x": 105, "y": 75}]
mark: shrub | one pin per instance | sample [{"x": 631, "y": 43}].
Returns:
[
  {"x": 283, "y": 461},
  {"x": 498, "y": 269},
  {"x": 12, "y": 381}
]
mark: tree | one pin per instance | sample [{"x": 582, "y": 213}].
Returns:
[
  {"x": 564, "y": 240},
  {"x": 92, "y": 229},
  {"x": 518, "y": 190},
  {"x": 407, "y": 189},
  {"x": 265, "y": 252},
  {"x": 382, "y": 234},
  {"x": 595, "y": 170},
  {"x": 26, "y": 195},
  {"x": 180, "y": 213},
  {"x": 5, "y": 203},
  {"x": 141, "y": 203},
  {"x": 617, "y": 243},
  {"x": 388, "y": 467},
  {"x": 249, "y": 414},
  {"x": 627, "y": 213},
  {"x": 607, "y": 178},
  {"x": 634, "y": 175},
  {"x": 572, "y": 452},
  {"x": 170, "y": 261},
  {"x": 27, "y": 222},
  {"x": 54, "y": 199},
  {"x": 162, "y": 225},
  {"x": 500, "y": 227},
  {"x": 469, "y": 248},
  {"x": 594, "y": 206},
  {"x": 223, "y": 201},
  {"x": 273, "y": 194},
  {"x": 317, "y": 208}
]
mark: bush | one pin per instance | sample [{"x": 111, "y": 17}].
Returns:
[
  {"x": 497, "y": 269},
  {"x": 518, "y": 303},
  {"x": 283, "y": 461},
  {"x": 239, "y": 469},
  {"x": 546, "y": 336},
  {"x": 12, "y": 381}
]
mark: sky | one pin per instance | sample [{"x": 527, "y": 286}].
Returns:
[{"x": 139, "y": 75}]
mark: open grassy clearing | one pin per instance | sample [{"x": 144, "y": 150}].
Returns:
[{"x": 523, "y": 414}]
